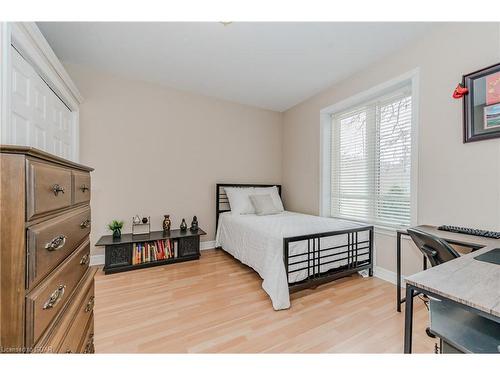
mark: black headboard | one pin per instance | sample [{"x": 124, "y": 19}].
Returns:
[{"x": 221, "y": 201}]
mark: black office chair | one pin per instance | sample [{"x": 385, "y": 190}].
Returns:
[{"x": 436, "y": 250}]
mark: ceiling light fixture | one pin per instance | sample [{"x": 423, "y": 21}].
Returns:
[{"x": 227, "y": 23}]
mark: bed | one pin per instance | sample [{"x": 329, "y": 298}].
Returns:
[{"x": 292, "y": 251}]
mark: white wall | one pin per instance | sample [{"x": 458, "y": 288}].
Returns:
[
  {"x": 160, "y": 151},
  {"x": 458, "y": 183}
]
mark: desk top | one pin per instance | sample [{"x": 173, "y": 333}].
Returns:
[{"x": 465, "y": 280}]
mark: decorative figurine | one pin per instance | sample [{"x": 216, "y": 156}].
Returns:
[
  {"x": 141, "y": 226},
  {"x": 116, "y": 226},
  {"x": 166, "y": 223},
  {"x": 183, "y": 225},
  {"x": 194, "y": 224}
]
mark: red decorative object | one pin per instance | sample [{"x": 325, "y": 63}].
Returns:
[{"x": 460, "y": 91}]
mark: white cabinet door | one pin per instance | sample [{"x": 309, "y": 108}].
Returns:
[{"x": 38, "y": 117}]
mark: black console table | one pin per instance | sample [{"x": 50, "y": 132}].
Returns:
[{"x": 118, "y": 252}]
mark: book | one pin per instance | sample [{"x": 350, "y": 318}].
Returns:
[
  {"x": 144, "y": 252},
  {"x": 133, "y": 254},
  {"x": 162, "y": 247}
]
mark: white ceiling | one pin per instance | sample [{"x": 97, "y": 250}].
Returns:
[{"x": 269, "y": 65}]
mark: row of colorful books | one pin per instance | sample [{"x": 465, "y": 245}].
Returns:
[{"x": 143, "y": 252}]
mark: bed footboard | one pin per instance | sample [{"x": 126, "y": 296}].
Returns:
[{"x": 317, "y": 263}]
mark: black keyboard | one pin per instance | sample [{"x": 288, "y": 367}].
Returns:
[{"x": 470, "y": 231}]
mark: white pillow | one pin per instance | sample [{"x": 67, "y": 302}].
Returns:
[
  {"x": 239, "y": 200},
  {"x": 264, "y": 204},
  {"x": 273, "y": 192}
]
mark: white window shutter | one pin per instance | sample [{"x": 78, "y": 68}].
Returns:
[{"x": 371, "y": 161}]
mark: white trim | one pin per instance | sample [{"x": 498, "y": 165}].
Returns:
[
  {"x": 207, "y": 245},
  {"x": 5, "y": 77},
  {"x": 386, "y": 275},
  {"x": 76, "y": 135},
  {"x": 49, "y": 54},
  {"x": 412, "y": 76},
  {"x": 372, "y": 92},
  {"x": 325, "y": 149},
  {"x": 31, "y": 44},
  {"x": 384, "y": 231},
  {"x": 415, "y": 144},
  {"x": 26, "y": 38},
  {"x": 96, "y": 260}
]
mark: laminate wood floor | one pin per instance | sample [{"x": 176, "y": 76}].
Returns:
[{"x": 217, "y": 305}]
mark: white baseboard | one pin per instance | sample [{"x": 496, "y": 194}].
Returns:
[
  {"x": 96, "y": 260},
  {"x": 207, "y": 245},
  {"x": 387, "y": 275},
  {"x": 379, "y": 272}
]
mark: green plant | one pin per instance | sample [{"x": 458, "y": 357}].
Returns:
[{"x": 115, "y": 224}]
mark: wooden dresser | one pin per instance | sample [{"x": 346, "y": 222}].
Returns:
[{"x": 47, "y": 286}]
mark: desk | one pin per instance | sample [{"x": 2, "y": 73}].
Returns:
[
  {"x": 450, "y": 237},
  {"x": 400, "y": 300},
  {"x": 472, "y": 284}
]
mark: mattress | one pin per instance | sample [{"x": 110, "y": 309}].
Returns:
[{"x": 257, "y": 241}]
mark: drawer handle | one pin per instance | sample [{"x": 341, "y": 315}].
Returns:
[
  {"x": 89, "y": 348},
  {"x": 85, "y": 224},
  {"x": 56, "y": 243},
  {"x": 85, "y": 260},
  {"x": 84, "y": 187},
  {"x": 90, "y": 305},
  {"x": 55, "y": 297},
  {"x": 57, "y": 189}
]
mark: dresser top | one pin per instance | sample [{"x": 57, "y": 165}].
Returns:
[{"x": 34, "y": 152}]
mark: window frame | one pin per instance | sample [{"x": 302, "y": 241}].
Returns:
[{"x": 411, "y": 79}]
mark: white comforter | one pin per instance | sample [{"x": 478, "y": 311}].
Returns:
[{"x": 257, "y": 241}]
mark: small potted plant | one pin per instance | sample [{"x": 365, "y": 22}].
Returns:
[{"x": 116, "y": 226}]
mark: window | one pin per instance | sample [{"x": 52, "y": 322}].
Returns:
[{"x": 371, "y": 160}]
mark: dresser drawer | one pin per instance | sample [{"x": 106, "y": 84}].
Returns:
[
  {"x": 75, "y": 336},
  {"x": 48, "y": 298},
  {"x": 48, "y": 188},
  {"x": 81, "y": 187},
  {"x": 87, "y": 346},
  {"x": 50, "y": 242},
  {"x": 62, "y": 330}
]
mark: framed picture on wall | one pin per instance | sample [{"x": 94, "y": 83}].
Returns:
[{"x": 482, "y": 104}]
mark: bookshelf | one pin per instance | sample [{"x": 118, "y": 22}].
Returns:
[{"x": 157, "y": 248}]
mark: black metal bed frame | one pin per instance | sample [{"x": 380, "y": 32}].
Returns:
[{"x": 317, "y": 256}]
